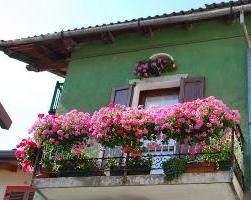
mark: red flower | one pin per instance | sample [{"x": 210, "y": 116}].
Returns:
[
  {"x": 40, "y": 115},
  {"x": 126, "y": 149},
  {"x": 120, "y": 132}
]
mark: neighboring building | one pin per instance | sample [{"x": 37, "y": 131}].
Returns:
[
  {"x": 213, "y": 57},
  {"x": 5, "y": 121},
  {"x": 13, "y": 182}
]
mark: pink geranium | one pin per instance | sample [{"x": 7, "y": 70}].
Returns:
[
  {"x": 118, "y": 125},
  {"x": 72, "y": 127},
  {"x": 196, "y": 121}
]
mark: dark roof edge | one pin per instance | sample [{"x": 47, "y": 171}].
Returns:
[
  {"x": 7, "y": 154},
  {"x": 182, "y": 18}
]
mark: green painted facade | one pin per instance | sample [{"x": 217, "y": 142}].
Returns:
[
  {"x": 2, "y": 190},
  {"x": 214, "y": 49}
]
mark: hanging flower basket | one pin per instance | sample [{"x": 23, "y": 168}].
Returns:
[{"x": 156, "y": 65}]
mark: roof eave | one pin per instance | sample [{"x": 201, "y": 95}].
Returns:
[{"x": 215, "y": 13}]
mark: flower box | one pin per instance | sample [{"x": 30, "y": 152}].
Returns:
[
  {"x": 138, "y": 171},
  {"x": 93, "y": 172},
  {"x": 224, "y": 165},
  {"x": 43, "y": 174},
  {"x": 119, "y": 171},
  {"x": 201, "y": 167}
]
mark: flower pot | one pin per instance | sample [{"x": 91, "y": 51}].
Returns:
[
  {"x": 43, "y": 174},
  {"x": 117, "y": 171},
  {"x": 224, "y": 165},
  {"x": 200, "y": 167},
  {"x": 137, "y": 171}
]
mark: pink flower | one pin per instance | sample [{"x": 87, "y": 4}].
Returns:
[{"x": 40, "y": 115}]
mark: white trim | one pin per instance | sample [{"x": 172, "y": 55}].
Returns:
[
  {"x": 156, "y": 55},
  {"x": 153, "y": 83}
]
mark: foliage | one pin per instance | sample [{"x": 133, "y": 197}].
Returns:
[
  {"x": 154, "y": 67},
  {"x": 217, "y": 151},
  {"x": 139, "y": 162},
  {"x": 174, "y": 168}
]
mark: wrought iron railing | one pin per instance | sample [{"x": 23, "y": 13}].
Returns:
[
  {"x": 103, "y": 166},
  {"x": 56, "y": 97}
]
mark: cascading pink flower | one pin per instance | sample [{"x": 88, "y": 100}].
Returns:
[
  {"x": 72, "y": 127},
  {"x": 200, "y": 119},
  {"x": 26, "y": 154}
]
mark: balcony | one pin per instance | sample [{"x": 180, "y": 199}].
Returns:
[
  {"x": 56, "y": 97},
  {"x": 200, "y": 180}
]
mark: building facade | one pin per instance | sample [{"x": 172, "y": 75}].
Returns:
[{"x": 210, "y": 49}]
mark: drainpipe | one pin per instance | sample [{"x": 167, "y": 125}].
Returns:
[
  {"x": 248, "y": 63},
  {"x": 244, "y": 29}
]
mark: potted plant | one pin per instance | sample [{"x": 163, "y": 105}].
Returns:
[
  {"x": 76, "y": 168},
  {"x": 156, "y": 65},
  {"x": 174, "y": 168},
  {"x": 219, "y": 153},
  {"x": 133, "y": 166},
  {"x": 65, "y": 161}
]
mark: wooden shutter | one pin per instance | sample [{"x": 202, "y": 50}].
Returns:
[
  {"x": 123, "y": 96},
  {"x": 19, "y": 193},
  {"x": 5, "y": 120},
  {"x": 192, "y": 88}
]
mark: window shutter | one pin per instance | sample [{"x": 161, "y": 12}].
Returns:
[
  {"x": 192, "y": 88},
  {"x": 123, "y": 96},
  {"x": 19, "y": 193},
  {"x": 31, "y": 195}
]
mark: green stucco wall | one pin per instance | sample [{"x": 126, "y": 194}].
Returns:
[
  {"x": 2, "y": 190},
  {"x": 213, "y": 49}
]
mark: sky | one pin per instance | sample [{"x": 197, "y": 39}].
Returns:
[{"x": 25, "y": 94}]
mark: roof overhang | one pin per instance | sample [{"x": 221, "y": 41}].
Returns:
[
  {"x": 51, "y": 52},
  {"x": 5, "y": 121},
  {"x": 8, "y": 160}
]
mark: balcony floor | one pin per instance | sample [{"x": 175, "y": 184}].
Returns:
[{"x": 190, "y": 186}]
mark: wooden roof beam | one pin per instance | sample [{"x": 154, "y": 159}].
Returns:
[
  {"x": 20, "y": 57},
  {"x": 69, "y": 44},
  {"x": 49, "y": 67},
  {"x": 50, "y": 54}
]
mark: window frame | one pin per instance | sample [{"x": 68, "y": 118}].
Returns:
[
  {"x": 157, "y": 93},
  {"x": 154, "y": 83}
]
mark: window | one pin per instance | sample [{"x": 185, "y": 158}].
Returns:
[{"x": 159, "y": 97}]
